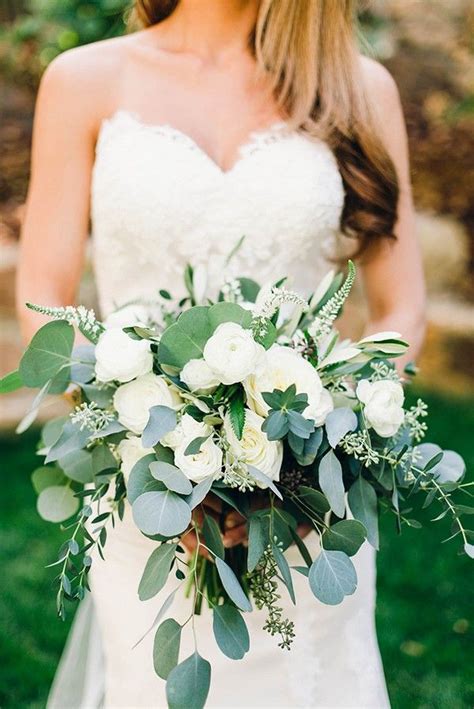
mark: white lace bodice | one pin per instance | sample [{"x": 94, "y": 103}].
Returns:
[{"x": 159, "y": 201}]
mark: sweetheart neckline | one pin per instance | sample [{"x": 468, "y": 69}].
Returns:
[{"x": 256, "y": 139}]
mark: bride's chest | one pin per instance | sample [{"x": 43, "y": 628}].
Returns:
[{"x": 156, "y": 192}]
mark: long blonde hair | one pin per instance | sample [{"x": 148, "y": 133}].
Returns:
[{"x": 308, "y": 50}]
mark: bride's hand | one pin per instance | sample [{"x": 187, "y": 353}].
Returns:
[{"x": 235, "y": 526}]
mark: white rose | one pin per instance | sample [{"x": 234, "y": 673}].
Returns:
[
  {"x": 284, "y": 366},
  {"x": 199, "y": 466},
  {"x": 254, "y": 448},
  {"x": 120, "y": 358},
  {"x": 131, "y": 450},
  {"x": 232, "y": 353},
  {"x": 134, "y": 400},
  {"x": 383, "y": 405},
  {"x": 187, "y": 430},
  {"x": 318, "y": 410},
  {"x": 131, "y": 315},
  {"x": 198, "y": 376}
]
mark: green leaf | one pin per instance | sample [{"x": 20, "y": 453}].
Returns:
[
  {"x": 188, "y": 683},
  {"x": 156, "y": 571},
  {"x": 212, "y": 536},
  {"x": 266, "y": 333},
  {"x": 199, "y": 492},
  {"x": 166, "y": 647},
  {"x": 433, "y": 462},
  {"x": 77, "y": 465},
  {"x": 256, "y": 545},
  {"x": 57, "y": 503},
  {"x": 103, "y": 460},
  {"x": 310, "y": 448},
  {"x": 141, "y": 477},
  {"x": 276, "y": 425},
  {"x": 47, "y": 477},
  {"x": 195, "y": 446},
  {"x": 48, "y": 352},
  {"x": 332, "y": 577},
  {"x": 230, "y": 631},
  {"x": 172, "y": 477},
  {"x": 102, "y": 396},
  {"x": 284, "y": 570},
  {"x": 249, "y": 289},
  {"x": 11, "y": 382},
  {"x": 162, "y": 420},
  {"x": 338, "y": 423},
  {"x": 237, "y": 413},
  {"x": 71, "y": 439},
  {"x": 299, "y": 425},
  {"x": 315, "y": 499},
  {"x": 52, "y": 430},
  {"x": 262, "y": 478},
  {"x": 162, "y": 513},
  {"x": 302, "y": 548},
  {"x": 185, "y": 339},
  {"x": 229, "y": 312},
  {"x": 232, "y": 586},
  {"x": 362, "y": 500},
  {"x": 347, "y": 536},
  {"x": 469, "y": 549},
  {"x": 330, "y": 480}
]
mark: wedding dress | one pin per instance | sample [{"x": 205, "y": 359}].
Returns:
[{"x": 158, "y": 202}]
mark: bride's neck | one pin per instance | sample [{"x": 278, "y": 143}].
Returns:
[{"x": 213, "y": 30}]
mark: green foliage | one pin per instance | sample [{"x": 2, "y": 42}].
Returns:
[
  {"x": 230, "y": 631},
  {"x": 166, "y": 647},
  {"x": 332, "y": 577},
  {"x": 188, "y": 683},
  {"x": 161, "y": 512},
  {"x": 156, "y": 571},
  {"x": 162, "y": 420}
]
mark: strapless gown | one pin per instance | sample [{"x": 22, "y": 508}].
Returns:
[{"x": 158, "y": 202}]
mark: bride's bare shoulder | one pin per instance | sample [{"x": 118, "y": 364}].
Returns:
[{"x": 87, "y": 78}]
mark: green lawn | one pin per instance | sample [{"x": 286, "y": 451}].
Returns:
[{"x": 424, "y": 608}]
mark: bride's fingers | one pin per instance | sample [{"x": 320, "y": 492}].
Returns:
[
  {"x": 303, "y": 530},
  {"x": 236, "y": 535},
  {"x": 213, "y": 503}
]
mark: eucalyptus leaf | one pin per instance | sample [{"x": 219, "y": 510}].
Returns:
[
  {"x": 11, "y": 382},
  {"x": 232, "y": 585},
  {"x": 265, "y": 480},
  {"x": 140, "y": 478},
  {"x": 52, "y": 430},
  {"x": 276, "y": 425},
  {"x": 48, "y": 353},
  {"x": 185, "y": 339},
  {"x": 72, "y": 438},
  {"x": 229, "y": 312},
  {"x": 199, "y": 492},
  {"x": 30, "y": 417},
  {"x": 57, "y": 503},
  {"x": 299, "y": 425},
  {"x": 77, "y": 465},
  {"x": 188, "y": 683},
  {"x": 330, "y": 480},
  {"x": 47, "y": 476},
  {"x": 256, "y": 545},
  {"x": 156, "y": 571},
  {"x": 212, "y": 536},
  {"x": 315, "y": 499},
  {"x": 339, "y": 422},
  {"x": 195, "y": 446},
  {"x": 100, "y": 395},
  {"x": 103, "y": 460},
  {"x": 310, "y": 448},
  {"x": 362, "y": 500},
  {"x": 162, "y": 420},
  {"x": 237, "y": 413},
  {"x": 332, "y": 577},
  {"x": 167, "y": 603},
  {"x": 230, "y": 631},
  {"x": 347, "y": 536},
  {"x": 284, "y": 570},
  {"x": 161, "y": 513},
  {"x": 166, "y": 647},
  {"x": 172, "y": 477}
]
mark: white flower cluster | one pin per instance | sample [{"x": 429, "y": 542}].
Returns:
[
  {"x": 270, "y": 299},
  {"x": 84, "y": 319}
]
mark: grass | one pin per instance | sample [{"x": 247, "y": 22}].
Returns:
[{"x": 423, "y": 609}]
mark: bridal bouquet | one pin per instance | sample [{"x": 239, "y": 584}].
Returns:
[{"x": 251, "y": 401}]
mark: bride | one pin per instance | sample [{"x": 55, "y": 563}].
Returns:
[{"x": 220, "y": 119}]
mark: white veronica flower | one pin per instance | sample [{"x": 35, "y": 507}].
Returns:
[
  {"x": 131, "y": 450},
  {"x": 134, "y": 400},
  {"x": 284, "y": 366},
  {"x": 232, "y": 353},
  {"x": 383, "y": 405},
  {"x": 254, "y": 448},
  {"x": 198, "y": 376},
  {"x": 119, "y": 358},
  {"x": 199, "y": 466}
]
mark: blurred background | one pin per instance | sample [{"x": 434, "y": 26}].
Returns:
[{"x": 424, "y": 613}]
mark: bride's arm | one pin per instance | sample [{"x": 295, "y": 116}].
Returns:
[
  {"x": 57, "y": 215},
  {"x": 392, "y": 272}
]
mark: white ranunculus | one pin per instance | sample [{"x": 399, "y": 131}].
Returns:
[
  {"x": 319, "y": 408},
  {"x": 131, "y": 450},
  {"x": 119, "y": 358},
  {"x": 187, "y": 430},
  {"x": 232, "y": 353},
  {"x": 198, "y": 376},
  {"x": 283, "y": 367},
  {"x": 131, "y": 315},
  {"x": 254, "y": 448},
  {"x": 383, "y": 405},
  {"x": 199, "y": 466},
  {"x": 134, "y": 400}
]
